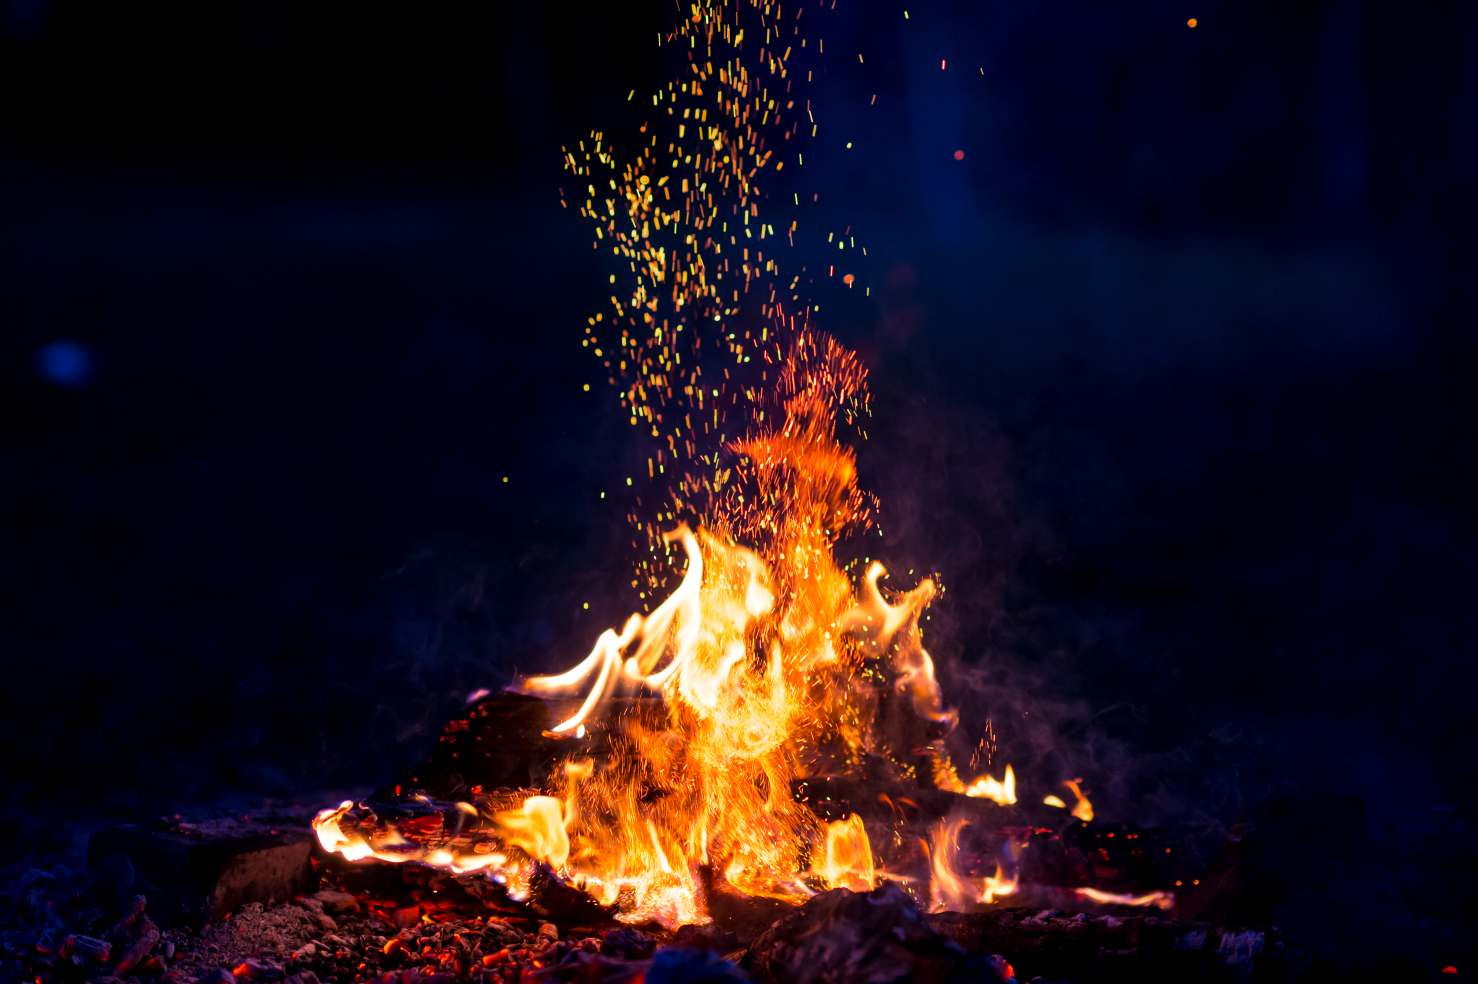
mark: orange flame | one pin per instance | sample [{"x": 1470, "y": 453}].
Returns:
[
  {"x": 1002, "y": 791},
  {"x": 847, "y": 859},
  {"x": 757, "y": 657},
  {"x": 538, "y": 828},
  {"x": 741, "y": 679},
  {"x": 948, "y": 888},
  {"x": 391, "y": 847},
  {"x": 1159, "y": 900}
]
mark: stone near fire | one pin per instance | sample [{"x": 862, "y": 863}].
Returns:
[{"x": 194, "y": 873}]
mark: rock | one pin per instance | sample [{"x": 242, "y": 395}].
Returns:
[
  {"x": 337, "y": 903},
  {"x": 257, "y": 970},
  {"x": 844, "y": 937},
  {"x": 198, "y": 872},
  {"x": 139, "y": 951},
  {"x": 627, "y": 943}
]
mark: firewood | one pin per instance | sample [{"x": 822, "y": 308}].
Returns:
[
  {"x": 1143, "y": 948},
  {"x": 550, "y": 896},
  {"x": 504, "y": 741}
]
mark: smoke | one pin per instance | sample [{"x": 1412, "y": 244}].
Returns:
[{"x": 1046, "y": 667}]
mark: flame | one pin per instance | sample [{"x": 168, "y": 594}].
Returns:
[
  {"x": 998, "y": 884},
  {"x": 847, "y": 860},
  {"x": 759, "y": 656},
  {"x": 1082, "y": 808},
  {"x": 1159, "y": 900},
  {"x": 1001, "y": 792},
  {"x": 879, "y": 623},
  {"x": 948, "y": 887},
  {"x": 391, "y": 847},
  {"x": 741, "y": 678},
  {"x": 761, "y": 659},
  {"x": 538, "y": 828}
]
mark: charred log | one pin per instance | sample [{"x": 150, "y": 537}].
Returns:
[
  {"x": 550, "y": 896},
  {"x": 1122, "y": 946},
  {"x": 504, "y": 740}
]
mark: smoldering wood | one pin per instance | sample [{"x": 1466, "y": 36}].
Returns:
[
  {"x": 741, "y": 916},
  {"x": 1123, "y": 946},
  {"x": 499, "y": 753},
  {"x": 882, "y": 936}
]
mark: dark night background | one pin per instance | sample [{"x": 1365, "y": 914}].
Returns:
[{"x": 1171, "y": 374}]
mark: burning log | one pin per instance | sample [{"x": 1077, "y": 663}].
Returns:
[
  {"x": 899, "y": 809},
  {"x": 1049, "y": 847},
  {"x": 502, "y": 741},
  {"x": 550, "y": 896},
  {"x": 498, "y": 741}
]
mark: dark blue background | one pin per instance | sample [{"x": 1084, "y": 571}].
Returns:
[{"x": 1172, "y": 376}]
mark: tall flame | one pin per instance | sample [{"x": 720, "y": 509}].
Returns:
[{"x": 758, "y": 661}]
